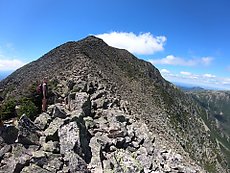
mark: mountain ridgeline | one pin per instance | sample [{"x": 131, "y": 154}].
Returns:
[{"x": 173, "y": 117}]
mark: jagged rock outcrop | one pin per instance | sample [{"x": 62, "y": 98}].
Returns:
[
  {"x": 107, "y": 93},
  {"x": 105, "y": 139}
]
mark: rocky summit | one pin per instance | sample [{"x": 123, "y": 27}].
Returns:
[{"x": 108, "y": 112}]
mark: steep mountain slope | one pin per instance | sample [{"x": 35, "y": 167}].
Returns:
[
  {"x": 170, "y": 114},
  {"x": 216, "y": 104}
]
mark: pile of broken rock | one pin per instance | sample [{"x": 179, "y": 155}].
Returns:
[{"x": 93, "y": 133}]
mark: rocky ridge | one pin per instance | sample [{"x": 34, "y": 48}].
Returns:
[
  {"x": 92, "y": 133},
  {"x": 90, "y": 65}
]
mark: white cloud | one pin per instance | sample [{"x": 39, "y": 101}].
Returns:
[
  {"x": 185, "y": 73},
  {"x": 165, "y": 71},
  {"x": 226, "y": 81},
  {"x": 173, "y": 60},
  {"x": 206, "y": 60},
  {"x": 203, "y": 80},
  {"x": 209, "y": 75},
  {"x": 144, "y": 43},
  {"x": 10, "y": 64}
]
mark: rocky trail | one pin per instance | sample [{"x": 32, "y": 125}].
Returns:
[{"x": 93, "y": 132}]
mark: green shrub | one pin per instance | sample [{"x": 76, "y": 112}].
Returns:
[
  {"x": 7, "y": 110},
  {"x": 27, "y": 107}
]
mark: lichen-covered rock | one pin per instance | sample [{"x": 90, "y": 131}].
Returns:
[
  {"x": 69, "y": 136},
  {"x": 77, "y": 101},
  {"x": 34, "y": 168},
  {"x": 122, "y": 161},
  {"x": 4, "y": 150},
  {"x": 16, "y": 160},
  {"x": 75, "y": 163},
  {"x": 28, "y": 133},
  {"x": 51, "y": 132},
  {"x": 55, "y": 162},
  {"x": 42, "y": 121},
  {"x": 51, "y": 146}
]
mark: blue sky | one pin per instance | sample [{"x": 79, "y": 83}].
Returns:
[{"x": 187, "y": 40}]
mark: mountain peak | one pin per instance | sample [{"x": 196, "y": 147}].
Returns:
[
  {"x": 91, "y": 65},
  {"x": 93, "y": 40}
]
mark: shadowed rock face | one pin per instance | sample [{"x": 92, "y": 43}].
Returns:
[{"x": 117, "y": 107}]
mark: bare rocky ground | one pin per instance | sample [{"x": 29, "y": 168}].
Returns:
[
  {"x": 119, "y": 115},
  {"x": 92, "y": 133}
]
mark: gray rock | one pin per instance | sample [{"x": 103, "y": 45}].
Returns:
[
  {"x": 34, "y": 168},
  {"x": 28, "y": 133},
  {"x": 98, "y": 94},
  {"x": 81, "y": 86},
  {"x": 51, "y": 132},
  {"x": 69, "y": 136},
  {"x": 8, "y": 134},
  {"x": 75, "y": 162},
  {"x": 80, "y": 101},
  {"x": 96, "y": 162},
  {"x": 122, "y": 161},
  {"x": 89, "y": 122},
  {"x": 51, "y": 146},
  {"x": 75, "y": 115},
  {"x": 58, "y": 112},
  {"x": 4, "y": 150},
  {"x": 70, "y": 84},
  {"x": 42, "y": 121},
  {"x": 98, "y": 144},
  {"x": 15, "y": 161},
  {"x": 144, "y": 159},
  {"x": 100, "y": 103},
  {"x": 54, "y": 163},
  {"x": 39, "y": 158}
]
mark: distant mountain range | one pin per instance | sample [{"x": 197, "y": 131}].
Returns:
[{"x": 187, "y": 87}]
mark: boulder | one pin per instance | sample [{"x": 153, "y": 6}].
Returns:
[
  {"x": 4, "y": 150},
  {"x": 8, "y": 134},
  {"x": 98, "y": 94},
  {"x": 59, "y": 112},
  {"x": 122, "y": 161},
  {"x": 144, "y": 159},
  {"x": 28, "y": 133},
  {"x": 96, "y": 162},
  {"x": 51, "y": 132},
  {"x": 54, "y": 163},
  {"x": 51, "y": 146},
  {"x": 80, "y": 86},
  {"x": 42, "y": 121},
  {"x": 81, "y": 100},
  {"x": 39, "y": 158},
  {"x": 69, "y": 136},
  {"x": 75, "y": 163},
  {"x": 15, "y": 161},
  {"x": 97, "y": 145}
]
